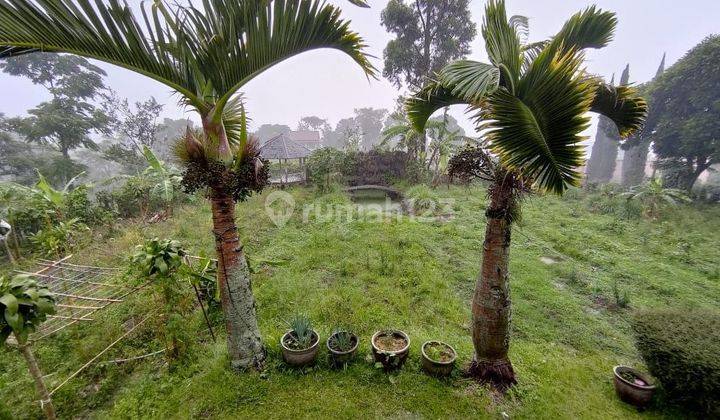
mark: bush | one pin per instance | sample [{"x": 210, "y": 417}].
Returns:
[{"x": 681, "y": 347}]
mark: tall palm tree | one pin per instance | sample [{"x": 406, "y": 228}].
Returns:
[
  {"x": 206, "y": 54},
  {"x": 530, "y": 103}
]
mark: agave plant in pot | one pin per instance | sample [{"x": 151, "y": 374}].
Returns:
[
  {"x": 342, "y": 345},
  {"x": 390, "y": 348},
  {"x": 300, "y": 344},
  {"x": 438, "y": 358}
]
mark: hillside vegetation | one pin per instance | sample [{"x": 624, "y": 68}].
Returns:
[{"x": 580, "y": 266}]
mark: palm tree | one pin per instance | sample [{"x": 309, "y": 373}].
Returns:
[
  {"x": 530, "y": 103},
  {"x": 206, "y": 54},
  {"x": 653, "y": 195}
]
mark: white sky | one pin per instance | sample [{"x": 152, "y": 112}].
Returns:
[{"x": 328, "y": 84}]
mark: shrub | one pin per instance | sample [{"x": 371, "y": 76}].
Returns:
[{"x": 681, "y": 347}]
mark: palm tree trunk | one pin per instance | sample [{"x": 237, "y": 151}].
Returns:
[
  {"x": 237, "y": 300},
  {"x": 45, "y": 400},
  {"x": 491, "y": 302}
]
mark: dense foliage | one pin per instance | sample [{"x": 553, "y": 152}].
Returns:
[
  {"x": 377, "y": 167},
  {"x": 681, "y": 348}
]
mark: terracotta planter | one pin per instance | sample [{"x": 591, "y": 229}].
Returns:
[
  {"x": 341, "y": 358},
  {"x": 390, "y": 358},
  {"x": 300, "y": 358},
  {"x": 633, "y": 393},
  {"x": 434, "y": 367}
]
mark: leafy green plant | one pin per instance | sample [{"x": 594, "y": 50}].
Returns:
[
  {"x": 24, "y": 305},
  {"x": 301, "y": 332},
  {"x": 681, "y": 348},
  {"x": 342, "y": 340},
  {"x": 622, "y": 300},
  {"x": 166, "y": 179},
  {"x": 653, "y": 195},
  {"x": 57, "y": 240},
  {"x": 160, "y": 261}
]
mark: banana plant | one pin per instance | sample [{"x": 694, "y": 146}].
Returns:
[{"x": 166, "y": 178}]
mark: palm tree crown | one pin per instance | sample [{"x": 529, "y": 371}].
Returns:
[{"x": 531, "y": 101}]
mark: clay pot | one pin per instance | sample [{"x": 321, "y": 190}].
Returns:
[
  {"x": 390, "y": 359},
  {"x": 633, "y": 393},
  {"x": 434, "y": 367},
  {"x": 300, "y": 358},
  {"x": 342, "y": 358}
]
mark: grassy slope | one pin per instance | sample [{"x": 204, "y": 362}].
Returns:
[{"x": 409, "y": 275}]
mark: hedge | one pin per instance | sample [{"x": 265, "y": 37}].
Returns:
[{"x": 681, "y": 347}]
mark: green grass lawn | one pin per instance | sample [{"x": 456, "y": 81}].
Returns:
[{"x": 567, "y": 263}]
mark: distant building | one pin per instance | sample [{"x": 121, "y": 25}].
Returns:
[
  {"x": 282, "y": 149},
  {"x": 309, "y": 139}
]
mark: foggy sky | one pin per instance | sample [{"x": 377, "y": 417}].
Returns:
[{"x": 328, "y": 84}]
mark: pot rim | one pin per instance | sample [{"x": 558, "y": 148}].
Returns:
[
  {"x": 342, "y": 353},
  {"x": 422, "y": 349},
  {"x": 313, "y": 347},
  {"x": 379, "y": 350},
  {"x": 637, "y": 373}
]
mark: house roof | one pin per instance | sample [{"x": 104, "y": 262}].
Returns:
[
  {"x": 282, "y": 147},
  {"x": 305, "y": 136}
]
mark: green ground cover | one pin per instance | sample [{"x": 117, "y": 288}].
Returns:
[{"x": 570, "y": 267}]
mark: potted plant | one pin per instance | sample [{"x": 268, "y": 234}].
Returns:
[
  {"x": 390, "y": 348},
  {"x": 632, "y": 386},
  {"x": 300, "y": 344},
  {"x": 438, "y": 358},
  {"x": 342, "y": 345}
]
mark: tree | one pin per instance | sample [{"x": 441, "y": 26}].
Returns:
[
  {"x": 601, "y": 165},
  {"x": 637, "y": 147},
  {"x": 267, "y": 131},
  {"x": 69, "y": 118},
  {"x": 428, "y": 35},
  {"x": 370, "y": 123},
  {"x": 684, "y": 109},
  {"x": 313, "y": 123},
  {"x": 206, "y": 54},
  {"x": 531, "y": 103},
  {"x": 25, "y": 305},
  {"x": 139, "y": 126}
]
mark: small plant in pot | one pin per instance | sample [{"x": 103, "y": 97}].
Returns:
[
  {"x": 438, "y": 358},
  {"x": 300, "y": 344},
  {"x": 390, "y": 348},
  {"x": 342, "y": 345},
  {"x": 632, "y": 386}
]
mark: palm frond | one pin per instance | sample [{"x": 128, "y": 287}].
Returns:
[
  {"x": 239, "y": 40},
  {"x": 359, "y": 3},
  {"x": 429, "y": 99},
  {"x": 622, "y": 105},
  {"x": 470, "y": 80},
  {"x": 107, "y": 32},
  {"x": 521, "y": 24},
  {"x": 502, "y": 42},
  {"x": 591, "y": 28},
  {"x": 537, "y": 132}
]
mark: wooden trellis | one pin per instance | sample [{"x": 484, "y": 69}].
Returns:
[{"x": 80, "y": 291}]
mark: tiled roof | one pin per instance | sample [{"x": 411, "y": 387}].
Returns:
[
  {"x": 282, "y": 147},
  {"x": 305, "y": 136}
]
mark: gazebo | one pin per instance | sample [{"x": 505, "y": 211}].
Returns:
[{"x": 285, "y": 152}]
